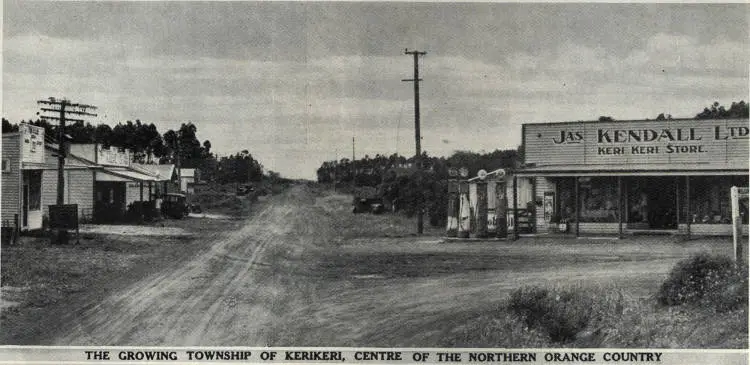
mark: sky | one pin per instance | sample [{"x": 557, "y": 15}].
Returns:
[{"x": 294, "y": 82}]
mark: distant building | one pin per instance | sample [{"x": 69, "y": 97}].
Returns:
[
  {"x": 188, "y": 177},
  {"x": 167, "y": 176}
]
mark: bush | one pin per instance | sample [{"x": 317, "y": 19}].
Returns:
[
  {"x": 705, "y": 280},
  {"x": 562, "y": 314}
]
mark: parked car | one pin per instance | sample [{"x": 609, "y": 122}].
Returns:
[
  {"x": 174, "y": 205},
  {"x": 363, "y": 205},
  {"x": 245, "y": 189}
]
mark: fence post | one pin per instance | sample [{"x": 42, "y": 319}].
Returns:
[
  {"x": 736, "y": 225},
  {"x": 16, "y": 230}
]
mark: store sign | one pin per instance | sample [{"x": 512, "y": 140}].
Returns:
[
  {"x": 112, "y": 156},
  {"x": 682, "y": 141},
  {"x": 32, "y": 143}
]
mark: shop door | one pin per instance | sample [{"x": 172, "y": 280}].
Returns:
[
  {"x": 25, "y": 212},
  {"x": 662, "y": 207}
]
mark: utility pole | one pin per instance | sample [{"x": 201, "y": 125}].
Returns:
[
  {"x": 178, "y": 167},
  {"x": 354, "y": 167},
  {"x": 417, "y": 137},
  {"x": 62, "y": 107}
]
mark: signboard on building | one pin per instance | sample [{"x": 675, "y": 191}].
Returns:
[
  {"x": 548, "y": 205},
  {"x": 32, "y": 143},
  {"x": 112, "y": 156},
  {"x": 709, "y": 142}
]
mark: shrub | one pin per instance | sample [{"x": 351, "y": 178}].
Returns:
[
  {"x": 562, "y": 314},
  {"x": 705, "y": 280}
]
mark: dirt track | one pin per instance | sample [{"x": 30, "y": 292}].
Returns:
[
  {"x": 304, "y": 271},
  {"x": 224, "y": 296}
]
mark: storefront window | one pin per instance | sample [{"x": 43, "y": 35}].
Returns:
[
  {"x": 710, "y": 199},
  {"x": 598, "y": 199}
]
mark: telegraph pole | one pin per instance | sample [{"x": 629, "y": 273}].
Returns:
[
  {"x": 354, "y": 168},
  {"x": 63, "y": 107},
  {"x": 177, "y": 158},
  {"x": 335, "y": 169},
  {"x": 417, "y": 137}
]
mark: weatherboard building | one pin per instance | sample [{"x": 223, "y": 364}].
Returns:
[
  {"x": 101, "y": 181},
  {"x": 620, "y": 177}
]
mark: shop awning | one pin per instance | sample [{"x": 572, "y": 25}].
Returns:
[
  {"x": 163, "y": 172},
  {"x": 619, "y": 170},
  {"x": 125, "y": 175}
]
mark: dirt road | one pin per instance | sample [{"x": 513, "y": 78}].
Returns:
[
  {"x": 225, "y": 296},
  {"x": 304, "y": 271}
]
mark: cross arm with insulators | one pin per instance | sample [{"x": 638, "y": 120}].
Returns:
[{"x": 57, "y": 118}]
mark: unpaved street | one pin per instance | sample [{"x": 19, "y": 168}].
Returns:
[
  {"x": 226, "y": 295},
  {"x": 303, "y": 270}
]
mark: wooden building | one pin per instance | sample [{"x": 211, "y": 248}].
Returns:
[
  {"x": 620, "y": 177},
  {"x": 96, "y": 179},
  {"x": 29, "y": 178}
]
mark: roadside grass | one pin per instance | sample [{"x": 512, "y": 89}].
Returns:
[
  {"x": 348, "y": 225},
  {"x": 50, "y": 282},
  {"x": 222, "y": 199},
  {"x": 709, "y": 281},
  {"x": 714, "y": 315}
]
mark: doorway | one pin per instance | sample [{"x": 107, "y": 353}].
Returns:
[
  {"x": 109, "y": 205},
  {"x": 25, "y": 211},
  {"x": 652, "y": 203}
]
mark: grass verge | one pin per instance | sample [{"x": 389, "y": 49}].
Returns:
[{"x": 707, "y": 309}]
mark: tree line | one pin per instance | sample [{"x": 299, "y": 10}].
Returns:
[
  {"x": 148, "y": 146},
  {"x": 398, "y": 181}
]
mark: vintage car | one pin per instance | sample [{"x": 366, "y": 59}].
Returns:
[
  {"x": 364, "y": 205},
  {"x": 174, "y": 205},
  {"x": 368, "y": 200},
  {"x": 245, "y": 189}
]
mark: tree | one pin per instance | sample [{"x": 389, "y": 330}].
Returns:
[
  {"x": 103, "y": 135},
  {"x": 8, "y": 127},
  {"x": 717, "y": 111}
]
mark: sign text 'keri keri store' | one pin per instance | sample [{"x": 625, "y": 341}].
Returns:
[{"x": 621, "y": 176}]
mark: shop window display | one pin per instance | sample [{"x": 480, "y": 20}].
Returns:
[
  {"x": 598, "y": 200},
  {"x": 710, "y": 200}
]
